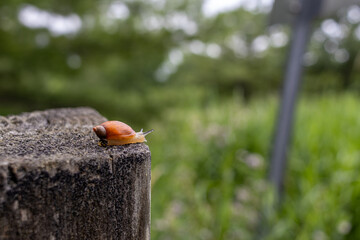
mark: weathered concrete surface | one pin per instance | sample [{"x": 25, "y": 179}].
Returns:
[{"x": 57, "y": 183}]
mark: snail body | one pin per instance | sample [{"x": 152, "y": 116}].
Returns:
[{"x": 118, "y": 133}]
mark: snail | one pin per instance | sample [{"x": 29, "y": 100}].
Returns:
[{"x": 118, "y": 133}]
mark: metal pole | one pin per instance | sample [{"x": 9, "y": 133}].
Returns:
[{"x": 308, "y": 9}]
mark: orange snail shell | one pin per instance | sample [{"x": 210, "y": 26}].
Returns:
[{"x": 118, "y": 133}]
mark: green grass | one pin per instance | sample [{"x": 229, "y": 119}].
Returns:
[{"x": 210, "y": 166}]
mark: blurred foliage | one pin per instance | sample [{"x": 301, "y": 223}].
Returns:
[
  {"x": 206, "y": 85},
  {"x": 209, "y": 171},
  {"x": 206, "y": 179},
  {"x": 130, "y": 59}
]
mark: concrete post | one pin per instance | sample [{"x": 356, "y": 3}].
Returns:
[{"x": 57, "y": 183}]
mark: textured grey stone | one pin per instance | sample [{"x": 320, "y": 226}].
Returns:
[{"x": 57, "y": 183}]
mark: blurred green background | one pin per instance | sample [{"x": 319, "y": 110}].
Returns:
[{"x": 205, "y": 75}]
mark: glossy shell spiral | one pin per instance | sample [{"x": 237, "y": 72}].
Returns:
[{"x": 114, "y": 130}]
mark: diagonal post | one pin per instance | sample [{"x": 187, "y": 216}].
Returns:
[{"x": 306, "y": 10}]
